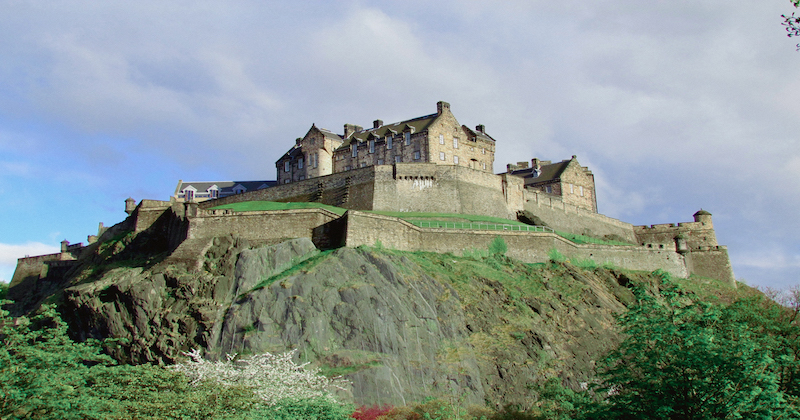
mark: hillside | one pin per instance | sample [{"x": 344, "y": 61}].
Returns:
[{"x": 402, "y": 326}]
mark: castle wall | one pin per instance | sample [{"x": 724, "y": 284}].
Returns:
[
  {"x": 148, "y": 212},
  {"x": 572, "y": 219},
  {"x": 712, "y": 262},
  {"x": 697, "y": 234},
  {"x": 532, "y": 247},
  {"x": 443, "y": 189},
  {"x": 266, "y": 226}
]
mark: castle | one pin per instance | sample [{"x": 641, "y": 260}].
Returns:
[{"x": 429, "y": 164}]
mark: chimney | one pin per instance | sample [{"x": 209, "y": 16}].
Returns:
[
  {"x": 535, "y": 163},
  {"x": 441, "y": 106},
  {"x": 297, "y": 141},
  {"x": 377, "y": 123},
  {"x": 349, "y": 129},
  {"x": 481, "y": 129}
]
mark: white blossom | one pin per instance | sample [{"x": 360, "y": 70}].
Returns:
[{"x": 273, "y": 377}]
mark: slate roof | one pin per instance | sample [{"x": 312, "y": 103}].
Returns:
[
  {"x": 415, "y": 125},
  {"x": 550, "y": 172},
  {"x": 226, "y": 188},
  {"x": 295, "y": 150}
]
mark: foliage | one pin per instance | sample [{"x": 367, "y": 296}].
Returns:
[
  {"x": 44, "y": 374},
  {"x": 434, "y": 409},
  {"x": 3, "y": 290},
  {"x": 792, "y": 23},
  {"x": 498, "y": 246},
  {"x": 273, "y": 377},
  {"x": 371, "y": 413},
  {"x": 556, "y": 256},
  {"x": 311, "y": 409},
  {"x": 688, "y": 360}
]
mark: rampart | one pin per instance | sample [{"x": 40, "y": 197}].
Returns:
[
  {"x": 371, "y": 229},
  {"x": 420, "y": 187},
  {"x": 569, "y": 218}
]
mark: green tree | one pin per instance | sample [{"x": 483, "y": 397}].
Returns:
[
  {"x": 792, "y": 23},
  {"x": 683, "y": 359}
]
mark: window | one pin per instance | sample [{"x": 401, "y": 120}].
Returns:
[
  {"x": 372, "y": 146},
  {"x": 581, "y": 189},
  {"x": 571, "y": 189},
  {"x": 286, "y": 166},
  {"x": 548, "y": 189},
  {"x": 316, "y": 159},
  {"x": 380, "y": 161},
  {"x": 483, "y": 150},
  {"x": 455, "y": 160},
  {"x": 455, "y": 143},
  {"x": 407, "y": 134},
  {"x": 484, "y": 166},
  {"x": 302, "y": 177},
  {"x": 388, "y": 142},
  {"x": 189, "y": 195},
  {"x": 362, "y": 164},
  {"x": 213, "y": 193},
  {"x": 441, "y": 155},
  {"x": 441, "y": 138},
  {"x": 300, "y": 163},
  {"x": 354, "y": 150},
  {"x": 286, "y": 181},
  {"x": 416, "y": 155},
  {"x": 398, "y": 159},
  {"x": 347, "y": 168}
]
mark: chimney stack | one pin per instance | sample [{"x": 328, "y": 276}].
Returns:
[
  {"x": 481, "y": 129},
  {"x": 349, "y": 129},
  {"x": 377, "y": 123},
  {"x": 441, "y": 106}
]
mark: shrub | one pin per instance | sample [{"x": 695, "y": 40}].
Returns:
[
  {"x": 273, "y": 377},
  {"x": 498, "y": 246},
  {"x": 556, "y": 256}
]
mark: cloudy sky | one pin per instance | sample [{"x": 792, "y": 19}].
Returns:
[{"x": 674, "y": 104}]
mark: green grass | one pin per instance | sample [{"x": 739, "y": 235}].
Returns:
[
  {"x": 449, "y": 217},
  {"x": 583, "y": 239},
  {"x": 274, "y": 205}
]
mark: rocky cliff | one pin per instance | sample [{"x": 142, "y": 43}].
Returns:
[{"x": 400, "y": 326}]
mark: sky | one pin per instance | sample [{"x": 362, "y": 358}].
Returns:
[{"x": 675, "y": 105}]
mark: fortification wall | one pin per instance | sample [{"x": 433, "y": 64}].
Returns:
[
  {"x": 262, "y": 226},
  {"x": 148, "y": 212},
  {"x": 351, "y": 189},
  {"x": 697, "y": 234},
  {"x": 443, "y": 189},
  {"x": 712, "y": 262},
  {"x": 576, "y": 220},
  {"x": 532, "y": 247}
]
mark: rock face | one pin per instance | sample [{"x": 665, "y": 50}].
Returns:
[{"x": 400, "y": 326}]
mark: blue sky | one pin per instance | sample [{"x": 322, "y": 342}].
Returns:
[{"x": 674, "y": 105}]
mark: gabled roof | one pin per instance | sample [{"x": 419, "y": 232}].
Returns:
[
  {"x": 414, "y": 125},
  {"x": 549, "y": 172},
  {"x": 296, "y": 149},
  {"x": 225, "y": 187},
  {"x": 478, "y": 134}
]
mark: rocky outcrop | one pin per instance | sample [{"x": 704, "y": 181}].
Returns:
[{"x": 400, "y": 326}]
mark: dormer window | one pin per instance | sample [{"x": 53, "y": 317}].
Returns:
[
  {"x": 389, "y": 142},
  {"x": 188, "y": 195},
  {"x": 372, "y": 146},
  {"x": 354, "y": 150},
  {"x": 407, "y": 135},
  {"x": 213, "y": 192}
]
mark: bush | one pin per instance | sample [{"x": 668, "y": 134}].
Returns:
[
  {"x": 556, "y": 256},
  {"x": 498, "y": 246}
]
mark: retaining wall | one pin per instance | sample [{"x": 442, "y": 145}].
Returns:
[
  {"x": 577, "y": 220},
  {"x": 532, "y": 247}
]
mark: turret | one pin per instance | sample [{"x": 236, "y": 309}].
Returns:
[
  {"x": 130, "y": 205},
  {"x": 704, "y": 217}
]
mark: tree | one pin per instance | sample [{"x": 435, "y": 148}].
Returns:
[
  {"x": 792, "y": 23},
  {"x": 683, "y": 359}
]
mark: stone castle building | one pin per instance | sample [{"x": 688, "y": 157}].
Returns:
[
  {"x": 437, "y": 138},
  {"x": 428, "y": 164}
]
